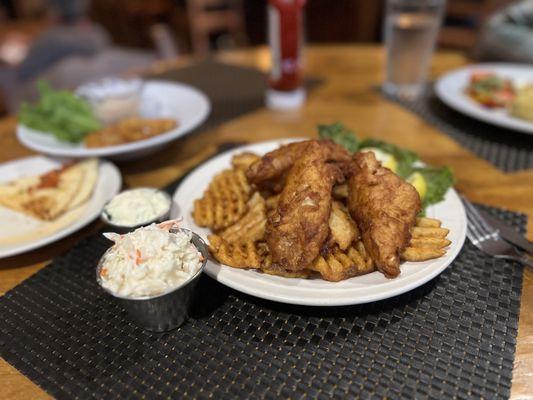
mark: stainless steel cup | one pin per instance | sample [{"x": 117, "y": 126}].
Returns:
[{"x": 165, "y": 311}]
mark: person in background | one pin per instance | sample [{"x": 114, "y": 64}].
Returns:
[
  {"x": 508, "y": 34},
  {"x": 72, "y": 35}
]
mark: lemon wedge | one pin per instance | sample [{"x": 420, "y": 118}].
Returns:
[
  {"x": 386, "y": 159},
  {"x": 418, "y": 181}
]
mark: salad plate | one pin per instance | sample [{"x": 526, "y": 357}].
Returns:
[
  {"x": 451, "y": 89},
  {"x": 159, "y": 99},
  {"x": 317, "y": 292}
]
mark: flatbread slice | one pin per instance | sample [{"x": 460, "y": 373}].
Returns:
[
  {"x": 90, "y": 177},
  {"x": 50, "y": 195}
]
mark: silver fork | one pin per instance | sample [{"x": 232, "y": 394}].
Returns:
[{"x": 486, "y": 238}]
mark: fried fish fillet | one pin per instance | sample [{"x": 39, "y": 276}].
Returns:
[
  {"x": 268, "y": 172},
  {"x": 298, "y": 227},
  {"x": 384, "y": 207}
]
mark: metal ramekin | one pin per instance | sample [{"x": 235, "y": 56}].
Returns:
[
  {"x": 165, "y": 311},
  {"x": 125, "y": 228}
]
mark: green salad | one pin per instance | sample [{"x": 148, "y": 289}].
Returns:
[
  {"x": 432, "y": 183},
  {"x": 60, "y": 113}
]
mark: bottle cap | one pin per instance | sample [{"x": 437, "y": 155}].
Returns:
[{"x": 278, "y": 100}]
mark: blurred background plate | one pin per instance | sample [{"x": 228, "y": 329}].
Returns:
[
  {"x": 20, "y": 233},
  {"x": 451, "y": 90},
  {"x": 187, "y": 105},
  {"x": 318, "y": 292}
]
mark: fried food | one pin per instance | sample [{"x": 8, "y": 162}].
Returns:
[
  {"x": 235, "y": 254},
  {"x": 340, "y": 192},
  {"x": 423, "y": 231},
  {"x": 277, "y": 271},
  {"x": 318, "y": 225},
  {"x": 269, "y": 171},
  {"x": 251, "y": 226},
  {"x": 244, "y": 160},
  {"x": 432, "y": 244},
  {"x": 129, "y": 130},
  {"x": 384, "y": 207},
  {"x": 339, "y": 265},
  {"x": 224, "y": 202},
  {"x": 297, "y": 228},
  {"x": 343, "y": 230},
  {"x": 428, "y": 222},
  {"x": 272, "y": 202}
]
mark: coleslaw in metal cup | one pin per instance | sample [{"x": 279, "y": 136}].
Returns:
[{"x": 164, "y": 311}]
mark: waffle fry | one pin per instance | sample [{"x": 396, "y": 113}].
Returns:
[
  {"x": 304, "y": 274},
  {"x": 428, "y": 222},
  {"x": 340, "y": 265},
  {"x": 251, "y": 227},
  {"x": 239, "y": 255},
  {"x": 243, "y": 160},
  {"x": 428, "y": 241},
  {"x": 224, "y": 201},
  {"x": 340, "y": 192},
  {"x": 342, "y": 227},
  {"x": 422, "y": 231}
]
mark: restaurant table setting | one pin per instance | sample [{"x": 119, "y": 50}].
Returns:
[
  {"x": 453, "y": 336},
  {"x": 273, "y": 252}
]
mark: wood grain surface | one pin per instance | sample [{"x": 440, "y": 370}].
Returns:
[{"x": 348, "y": 94}]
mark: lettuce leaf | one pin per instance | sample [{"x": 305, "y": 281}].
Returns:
[{"x": 338, "y": 133}]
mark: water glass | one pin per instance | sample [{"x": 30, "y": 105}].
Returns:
[{"x": 410, "y": 28}]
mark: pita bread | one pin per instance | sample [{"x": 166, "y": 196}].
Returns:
[
  {"x": 50, "y": 195},
  {"x": 90, "y": 176}
]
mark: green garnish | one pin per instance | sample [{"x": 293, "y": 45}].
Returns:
[
  {"x": 61, "y": 113},
  {"x": 438, "y": 179},
  {"x": 338, "y": 133}
]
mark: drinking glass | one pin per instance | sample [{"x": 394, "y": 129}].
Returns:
[{"x": 411, "y": 28}]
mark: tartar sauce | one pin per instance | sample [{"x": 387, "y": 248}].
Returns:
[
  {"x": 149, "y": 261},
  {"x": 133, "y": 207}
]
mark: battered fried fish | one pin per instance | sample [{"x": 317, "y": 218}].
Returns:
[
  {"x": 298, "y": 227},
  {"x": 268, "y": 172},
  {"x": 385, "y": 209}
]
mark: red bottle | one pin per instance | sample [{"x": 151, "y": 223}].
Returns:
[{"x": 285, "y": 38}]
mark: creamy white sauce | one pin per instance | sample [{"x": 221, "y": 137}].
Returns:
[
  {"x": 149, "y": 261},
  {"x": 136, "y": 206}
]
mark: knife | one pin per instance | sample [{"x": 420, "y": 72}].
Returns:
[{"x": 508, "y": 233}]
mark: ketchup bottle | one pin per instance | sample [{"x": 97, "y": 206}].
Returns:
[{"x": 285, "y": 38}]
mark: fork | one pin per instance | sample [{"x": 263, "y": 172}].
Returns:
[{"x": 486, "y": 238}]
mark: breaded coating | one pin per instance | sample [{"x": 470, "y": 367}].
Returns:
[
  {"x": 298, "y": 227},
  {"x": 384, "y": 207},
  {"x": 268, "y": 172}
]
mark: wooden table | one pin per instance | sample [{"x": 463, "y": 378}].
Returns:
[{"x": 347, "y": 95}]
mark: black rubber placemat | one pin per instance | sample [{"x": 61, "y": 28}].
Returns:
[
  {"x": 451, "y": 338},
  {"x": 506, "y": 149}
]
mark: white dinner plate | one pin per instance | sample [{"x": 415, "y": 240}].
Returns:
[
  {"x": 317, "y": 292},
  {"x": 187, "y": 105},
  {"x": 20, "y": 233},
  {"x": 451, "y": 90}
]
